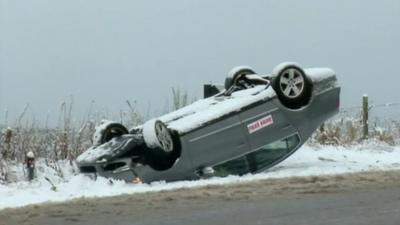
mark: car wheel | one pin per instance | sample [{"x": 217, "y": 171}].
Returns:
[
  {"x": 235, "y": 75},
  {"x": 160, "y": 160},
  {"x": 292, "y": 86},
  {"x": 164, "y": 145},
  {"x": 157, "y": 135},
  {"x": 107, "y": 131}
]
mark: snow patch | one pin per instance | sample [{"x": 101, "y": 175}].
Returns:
[
  {"x": 236, "y": 69},
  {"x": 149, "y": 134},
  {"x": 205, "y": 110},
  {"x": 319, "y": 74},
  {"x": 307, "y": 161},
  {"x": 100, "y": 130},
  {"x": 97, "y": 151},
  {"x": 281, "y": 66},
  {"x": 247, "y": 92}
]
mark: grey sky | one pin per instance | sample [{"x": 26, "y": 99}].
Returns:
[{"x": 110, "y": 51}]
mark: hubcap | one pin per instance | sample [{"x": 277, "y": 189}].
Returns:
[
  {"x": 292, "y": 83},
  {"x": 164, "y": 137}
]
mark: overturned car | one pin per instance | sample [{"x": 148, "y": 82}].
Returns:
[{"x": 255, "y": 122}]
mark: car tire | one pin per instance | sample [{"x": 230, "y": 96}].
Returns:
[
  {"x": 108, "y": 131},
  {"x": 292, "y": 86},
  {"x": 157, "y": 135},
  {"x": 236, "y": 74},
  {"x": 160, "y": 160},
  {"x": 164, "y": 148}
]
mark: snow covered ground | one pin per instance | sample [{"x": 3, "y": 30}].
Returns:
[{"x": 307, "y": 161}]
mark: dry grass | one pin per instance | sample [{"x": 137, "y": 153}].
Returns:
[
  {"x": 348, "y": 131},
  {"x": 65, "y": 141}
]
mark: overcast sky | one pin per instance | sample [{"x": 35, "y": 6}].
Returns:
[{"x": 111, "y": 51}]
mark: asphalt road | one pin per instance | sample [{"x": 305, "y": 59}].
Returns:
[{"x": 341, "y": 200}]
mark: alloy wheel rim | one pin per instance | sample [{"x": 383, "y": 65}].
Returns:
[
  {"x": 164, "y": 137},
  {"x": 292, "y": 83}
]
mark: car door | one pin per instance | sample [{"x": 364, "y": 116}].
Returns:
[
  {"x": 264, "y": 123},
  {"x": 259, "y": 160},
  {"x": 217, "y": 141}
]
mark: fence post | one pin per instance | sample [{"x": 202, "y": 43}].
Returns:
[
  {"x": 365, "y": 116},
  {"x": 30, "y": 165}
]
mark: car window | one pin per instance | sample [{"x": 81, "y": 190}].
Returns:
[{"x": 258, "y": 160}]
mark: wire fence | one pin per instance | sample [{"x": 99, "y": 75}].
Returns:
[
  {"x": 379, "y": 114},
  {"x": 354, "y": 124}
]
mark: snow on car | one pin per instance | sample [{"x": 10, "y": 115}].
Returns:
[{"x": 254, "y": 123}]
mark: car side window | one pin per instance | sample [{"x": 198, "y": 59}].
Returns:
[{"x": 258, "y": 160}]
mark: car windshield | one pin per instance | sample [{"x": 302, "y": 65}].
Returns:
[{"x": 258, "y": 160}]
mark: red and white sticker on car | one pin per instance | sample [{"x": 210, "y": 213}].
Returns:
[{"x": 260, "y": 124}]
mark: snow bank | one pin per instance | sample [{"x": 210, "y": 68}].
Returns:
[
  {"x": 307, "y": 161},
  {"x": 58, "y": 171}
]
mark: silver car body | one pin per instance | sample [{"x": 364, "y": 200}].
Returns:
[{"x": 221, "y": 129}]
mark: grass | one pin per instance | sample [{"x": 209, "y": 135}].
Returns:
[{"x": 347, "y": 131}]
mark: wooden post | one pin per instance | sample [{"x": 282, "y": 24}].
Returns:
[
  {"x": 30, "y": 165},
  {"x": 365, "y": 116}
]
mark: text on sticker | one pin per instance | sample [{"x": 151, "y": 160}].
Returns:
[{"x": 259, "y": 124}]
